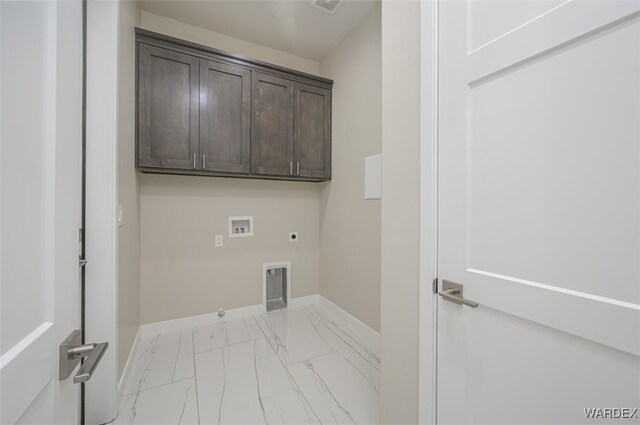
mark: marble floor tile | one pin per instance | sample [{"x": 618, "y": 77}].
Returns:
[
  {"x": 342, "y": 387},
  {"x": 303, "y": 365},
  {"x": 165, "y": 358},
  {"x": 297, "y": 335},
  {"x": 362, "y": 339},
  {"x": 246, "y": 383},
  {"x": 173, "y": 403},
  {"x": 225, "y": 333}
]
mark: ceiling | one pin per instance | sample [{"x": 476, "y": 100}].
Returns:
[{"x": 293, "y": 26}]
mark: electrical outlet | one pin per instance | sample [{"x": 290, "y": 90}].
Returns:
[
  {"x": 219, "y": 241},
  {"x": 294, "y": 237}
]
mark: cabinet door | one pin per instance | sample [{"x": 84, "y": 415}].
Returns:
[
  {"x": 225, "y": 120},
  {"x": 272, "y": 130},
  {"x": 312, "y": 138},
  {"x": 168, "y": 108}
]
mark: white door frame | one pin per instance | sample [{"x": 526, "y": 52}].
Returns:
[
  {"x": 427, "y": 354},
  {"x": 101, "y": 296}
]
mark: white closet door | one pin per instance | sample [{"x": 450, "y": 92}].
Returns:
[{"x": 539, "y": 213}]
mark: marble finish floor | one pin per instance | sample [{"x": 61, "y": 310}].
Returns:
[{"x": 312, "y": 364}]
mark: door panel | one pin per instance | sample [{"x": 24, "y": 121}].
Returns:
[
  {"x": 225, "y": 117},
  {"x": 41, "y": 161},
  {"x": 272, "y": 129},
  {"x": 169, "y": 95},
  {"x": 312, "y": 139},
  {"x": 539, "y": 210}
]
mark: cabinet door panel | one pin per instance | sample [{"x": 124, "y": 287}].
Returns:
[
  {"x": 225, "y": 123},
  {"x": 272, "y": 131},
  {"x": 312, "y": 140},
  {"x": 168, "y": 108}
]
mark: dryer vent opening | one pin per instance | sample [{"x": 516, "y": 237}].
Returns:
[{"x": 276, "y": 288}]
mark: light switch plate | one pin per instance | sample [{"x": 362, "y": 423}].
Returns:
[
  {"x": 219, "y": 241},
  {"x": 373, "y": 177}
]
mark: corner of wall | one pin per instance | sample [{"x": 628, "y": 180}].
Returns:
[
  {"x": 128, "y": 235},
  {"x": 400, "y": 260},
  {"x": 349, "y": 225}
]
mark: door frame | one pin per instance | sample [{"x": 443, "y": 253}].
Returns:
[
  {"x": 428, "y": 302},
  {"x": 101, "y": 296}
]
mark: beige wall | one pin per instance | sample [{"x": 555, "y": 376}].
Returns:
[
  {"x": 400, "y": 211},
  {"x": 129, "y": 233},
  {"x": 194, "y": 34},
  {"x": 349, "y": 225},
  {"x": 183, "y": 274}
]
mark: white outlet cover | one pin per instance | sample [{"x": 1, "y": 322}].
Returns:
[
  {"x": 219, "y": 241},
  {"x": 294, "y": 237}
]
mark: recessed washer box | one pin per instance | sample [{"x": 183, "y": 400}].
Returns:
[{"x": 240, "y": 227}]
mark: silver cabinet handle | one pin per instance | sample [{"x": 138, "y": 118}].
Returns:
[
  {"x": 204, "y": 160},
  {"x": 298, "y": 168},
  {"x": 71, "y": 352},
  {"x": 291, "y": 167},
  {"x": 453, "y": 292},
  {"x": 194, "y": 161}
]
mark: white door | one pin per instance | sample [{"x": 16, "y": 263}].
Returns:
[
  {"x": 539, "y": 190},
  {"x": 40, "y": 210}
]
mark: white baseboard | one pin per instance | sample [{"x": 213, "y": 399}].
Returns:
[
  {"x": 300, "y": 301},
  {"x": 363, "y": 325},
  {"x": 210, "y": 318},
  {"x": 203, "y": 319},
  {"x": 236, "y": 313},
  {"x": 133, "y": 354}
]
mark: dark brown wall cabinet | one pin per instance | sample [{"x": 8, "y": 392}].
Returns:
[{"x": 207, "y": 112}]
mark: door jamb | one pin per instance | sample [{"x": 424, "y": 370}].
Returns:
[{"x": 427, "y": 354}]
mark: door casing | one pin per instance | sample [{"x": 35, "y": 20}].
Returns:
[{"x": 428, "y": 303}]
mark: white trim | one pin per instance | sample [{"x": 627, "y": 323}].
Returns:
[
  {"x": 427, "y": 362},
  {"x": 210, "y": 318},
  {"x": 102, "y": 199},
  {"x": 348, "y": 315},
  {"x": 126, "y": 372},
  {"x": 201, "y": 320},
  {"x": 277, "y": 264},
  {"x": 302, "y": 301},
  {"x": 241, "y": 218}
]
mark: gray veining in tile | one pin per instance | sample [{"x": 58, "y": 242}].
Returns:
[
  {"x": 225, "y": 333},
  {"x": 342, "y": 387},
  {"x": 167, "y": 357},
  {"x": 362, "y": 340},
  {"x": 173, "y": 403},
  {"x": 297, "y": 335},
  {"x": 305, "y": 365},
  {"x": 246, "y": 383}
]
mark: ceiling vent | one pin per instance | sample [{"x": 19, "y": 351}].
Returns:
[{"x": 328, "y": 6}]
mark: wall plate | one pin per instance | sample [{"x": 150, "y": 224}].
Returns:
[
  {"x": 241, "y": 226},
  {"x": 294, "y": 237}
]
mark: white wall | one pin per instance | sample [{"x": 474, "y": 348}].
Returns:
[
  {"x": 400, "y": 278},
  {"x": 182, "y": 273},
  {"x": 129, "y": 232},
  {"x": 349, "y": 225}
]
